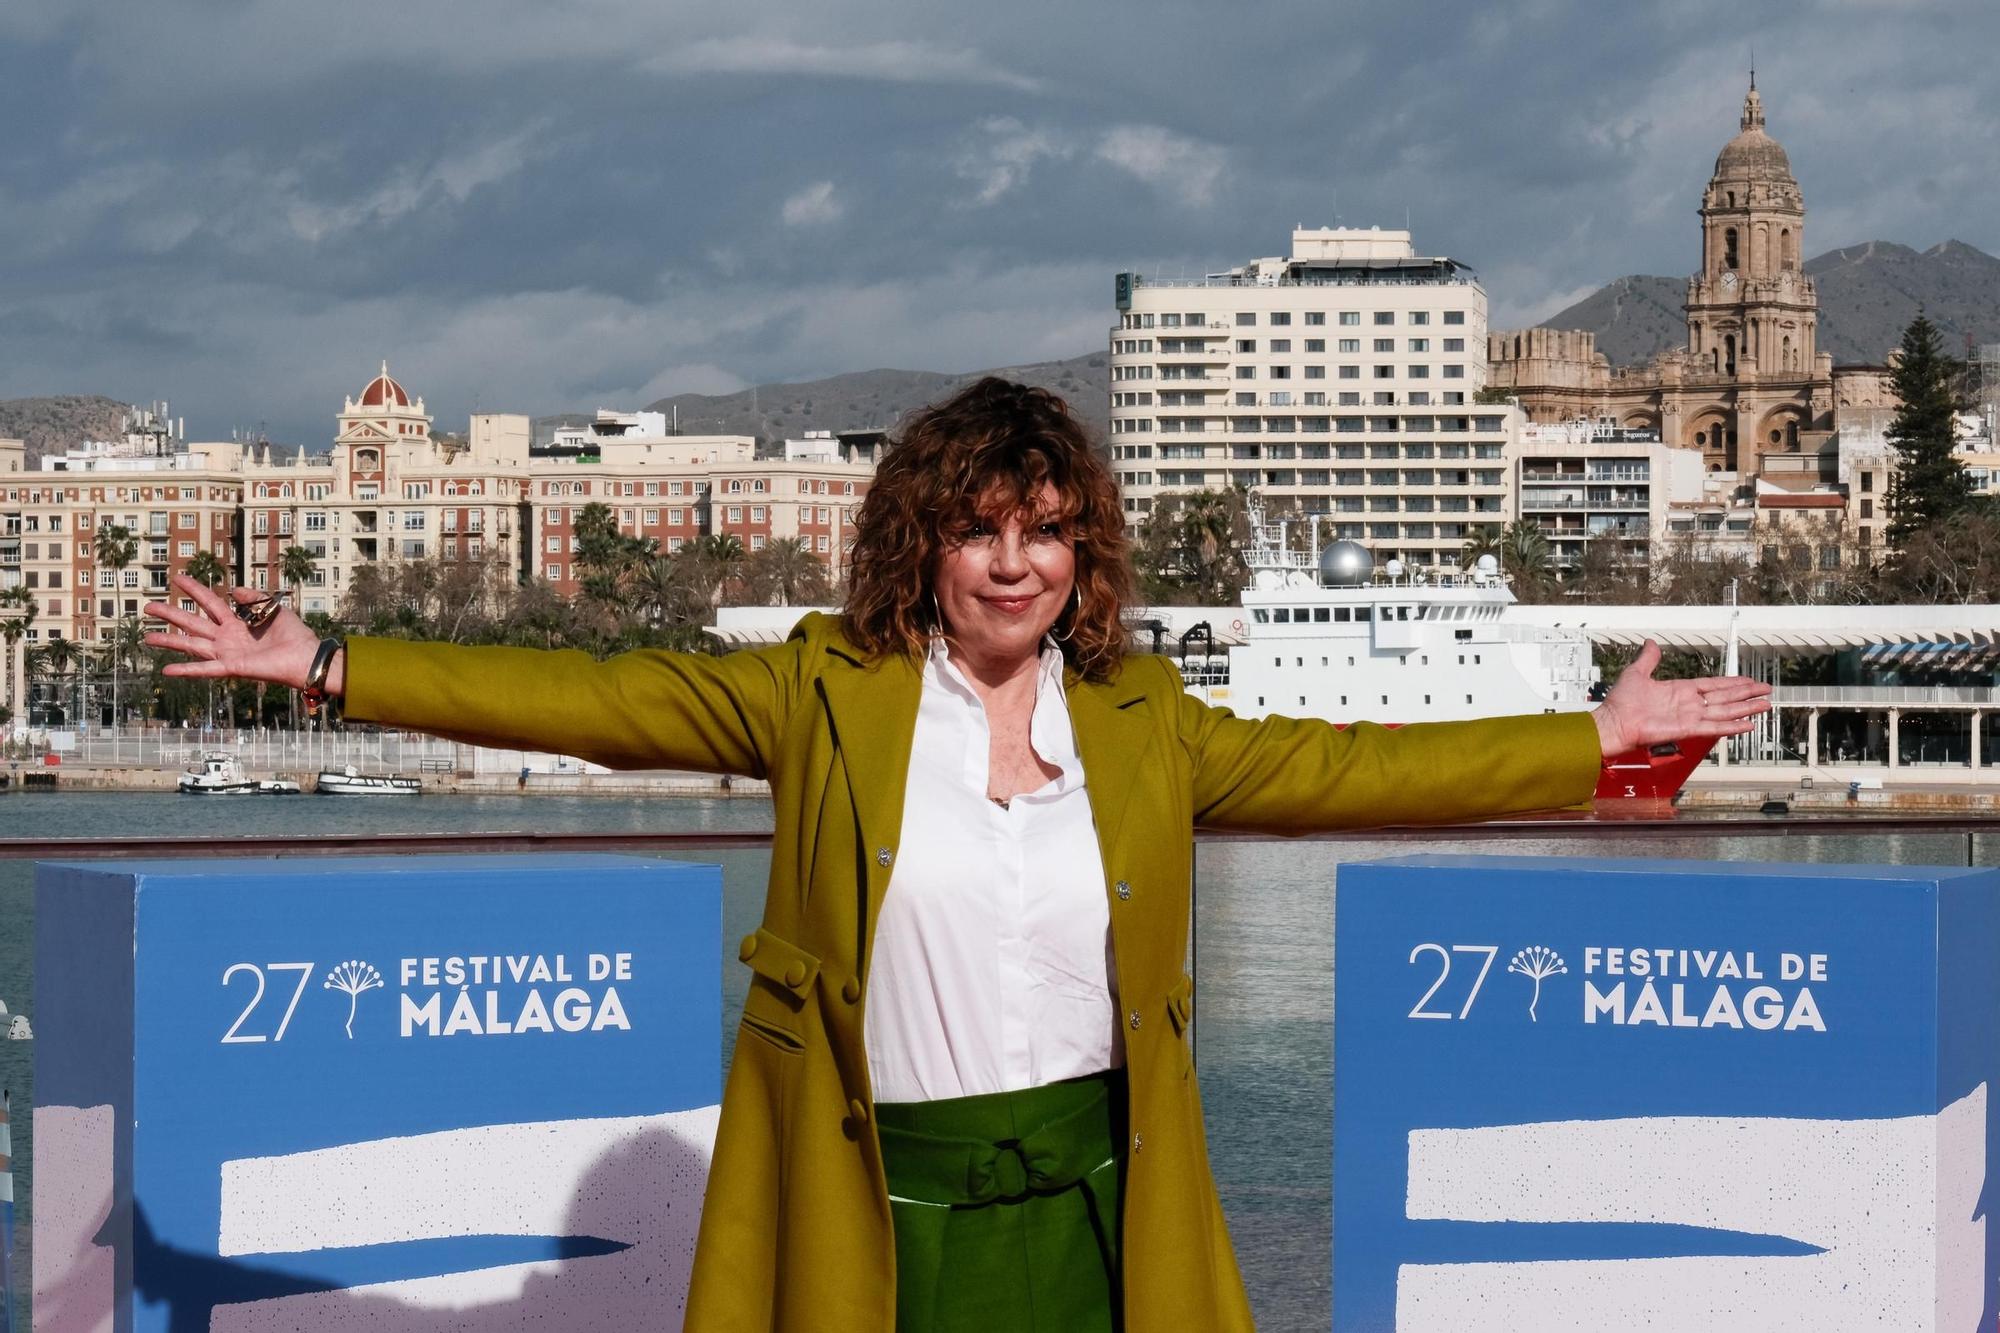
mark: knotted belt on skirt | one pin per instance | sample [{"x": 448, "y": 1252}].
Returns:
[{"x": 1006, "y": 1208}]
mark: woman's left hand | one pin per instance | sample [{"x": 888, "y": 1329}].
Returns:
[{"x": 1641, "y": 711}]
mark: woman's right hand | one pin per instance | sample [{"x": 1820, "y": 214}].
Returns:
[{"x": 218, "y": 643}]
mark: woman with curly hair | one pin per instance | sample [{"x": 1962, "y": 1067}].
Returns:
[{"x": 963, "y": 1094}]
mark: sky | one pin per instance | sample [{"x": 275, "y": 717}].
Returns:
[{"x": 557, "y": 205}]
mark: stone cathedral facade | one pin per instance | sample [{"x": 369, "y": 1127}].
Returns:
[{"x": 1750, "y": 390}]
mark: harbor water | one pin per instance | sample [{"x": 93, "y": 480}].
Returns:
[{"x": 1264, "y": 966}]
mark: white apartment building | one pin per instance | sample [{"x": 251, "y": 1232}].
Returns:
[
  {"x": 1586, "y": 481},
  {"x": 1338, "y": 381}
]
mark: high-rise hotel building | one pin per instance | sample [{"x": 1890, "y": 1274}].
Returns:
[{"x": 1339, "y": 381}]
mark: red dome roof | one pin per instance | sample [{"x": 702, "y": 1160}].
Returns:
[{"x": 382, "y": 391}]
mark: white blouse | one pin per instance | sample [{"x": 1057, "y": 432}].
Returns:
[{"x": 992, "y": 964}]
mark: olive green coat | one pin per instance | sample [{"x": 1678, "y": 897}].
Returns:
[{"x": 795, "y": 1232}]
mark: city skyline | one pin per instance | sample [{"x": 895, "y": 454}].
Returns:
[{"x": 544, "y": 212}]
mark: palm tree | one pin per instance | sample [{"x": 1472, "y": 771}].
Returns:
[
  {"x": 53, "y": 661},
  {"x": 786, "y": 571},
  {"x": 296, "y": 566},
  {"x": 17, "y": 612},
  {"x": 115, "y": 549},
  {"x": 206, "y": 567},
  {"x": 714, "y": 564}
]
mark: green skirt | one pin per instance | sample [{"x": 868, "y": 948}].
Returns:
[{"x": 1006, "y": 1208}]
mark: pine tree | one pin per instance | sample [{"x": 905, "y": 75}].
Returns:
[{"x": 1929, "y": 485}]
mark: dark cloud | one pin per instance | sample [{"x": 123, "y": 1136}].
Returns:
[{"x": 244, "y": 204}]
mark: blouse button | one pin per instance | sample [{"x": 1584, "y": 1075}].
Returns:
[
  {"x": 850, "y": 990},
  {"x": 1135, "y": 1020},
  {"x": 883, "y": 856},
  {"x": 1122, "y": 889}
]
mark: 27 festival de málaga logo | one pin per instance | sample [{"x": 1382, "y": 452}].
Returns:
[{"x": 1624, "y": 985}]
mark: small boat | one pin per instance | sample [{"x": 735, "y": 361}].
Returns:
[
  {"x": 352, "y": 782},
  {"x": 222, "y": 775}
]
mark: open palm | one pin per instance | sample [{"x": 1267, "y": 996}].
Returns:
[
  {"x": 216, "y": 643},
  {"x": 1642, "y": 711}
]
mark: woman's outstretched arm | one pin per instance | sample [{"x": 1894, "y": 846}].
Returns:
[{"x": 644, "y": 709}]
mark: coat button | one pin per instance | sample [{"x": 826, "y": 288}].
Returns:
[
  {"x": 850, "y": 990},
  {"x": 1135, "y": 1020},
  {"x": 883, "y": 856},
  {"x": 748, "y": 949},
  {"x": 857, "y": 1111},
  {"x": 1122, "y": 889},
  {"x": 795, "y": 973}
]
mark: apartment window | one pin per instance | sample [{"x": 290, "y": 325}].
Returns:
[
  {"x": 1281, "y": 372},
  {"x": 676, "y": 517},
  {"x": 1246, "y": 344},
  {"x": 1350, "y": 318},
  {"x": 1420, "y": 317},
  {"x": 1246, "y": 372},
  {"x": 673, "y": 488},
  {"x": 1454, "y": 317},
  {"x": 735, "y": 514},
  {"x": 1454, "y": 372},
  {"x": 1350, "y": 345},
  {"x": 1281, "y": 317},
  {"x": 1316, "y": 318},
  {"x": 1280, "y": 346},
  {"x": 1867, "y": 482},
  {"x": 1315, "y": 372},
  {"x": 1867, "y": 509},
  {"x": 756, "y": 513},
  {"x": 652, "y": 517},
  {"x": 1385, "y": 372},
  {"x": 1420, "y": 344},
  {"x": 1350, "y": 372},
  {"x": 1246, "y": 319},
  {"x": 1384, "y": 318},
  {"x": 1454, "y": 344},
  {"x": 1420, "y": 372}
]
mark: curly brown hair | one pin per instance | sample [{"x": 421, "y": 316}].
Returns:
[{"x": 985, "y": 452}]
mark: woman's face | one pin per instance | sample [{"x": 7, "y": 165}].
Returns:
[{"x": 1004, "y": 586}]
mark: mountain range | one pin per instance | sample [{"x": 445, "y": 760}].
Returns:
[
  {"x": 1867, "y": 295},
  {"x": 868, "y": 399}
]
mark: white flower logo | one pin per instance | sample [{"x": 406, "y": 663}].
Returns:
[
  {"x": 1537, "y": 962},
  {"x": 352, "y": 977}
]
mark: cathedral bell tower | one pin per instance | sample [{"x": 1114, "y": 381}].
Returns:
[{"x": 1752, "y": 314}]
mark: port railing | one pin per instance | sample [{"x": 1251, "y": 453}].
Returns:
[{"x": 1261, "y": 953}]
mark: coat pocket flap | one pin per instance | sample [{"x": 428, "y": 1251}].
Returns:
[
  {"x": 1180, "y": 1003},
  {"x": 780, "y": 962}
]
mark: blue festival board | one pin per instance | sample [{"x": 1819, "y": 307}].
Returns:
[
  {"x": 334, "y": 1093},
  {"x": 1584, "y": 1095}
]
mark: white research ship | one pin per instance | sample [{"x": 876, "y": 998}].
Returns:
[{"x": 1323, "y": 633}]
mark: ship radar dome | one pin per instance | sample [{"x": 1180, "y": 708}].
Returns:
[
  {"x": 1345, "y": 565},
  {"x": 1488, "y": 567}
]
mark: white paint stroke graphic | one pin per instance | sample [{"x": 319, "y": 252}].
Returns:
[
  {"x": 523, "y": 1179},
  {"x": 637, "y": 1180},
  {"x": 75, "y": 1279},
  {"x": 1891, "y": 1202}
]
